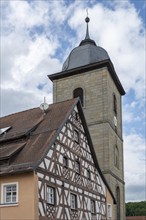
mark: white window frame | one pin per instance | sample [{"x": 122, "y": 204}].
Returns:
[
  {"x": 50, "y": 195},
  {"x": 3, "y": 194},
  {"x": 109, "y": 211},
  {"x": 73, "y": 201}
]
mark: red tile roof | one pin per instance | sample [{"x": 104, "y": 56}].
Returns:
[{"x": 36, "y": 129}]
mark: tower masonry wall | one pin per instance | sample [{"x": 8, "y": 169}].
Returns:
[{"x": 99, "y": 88}]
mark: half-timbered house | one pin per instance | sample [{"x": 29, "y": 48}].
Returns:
[{"x": 49, "y": 168}]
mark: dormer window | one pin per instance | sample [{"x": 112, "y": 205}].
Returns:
[
  {"x": 4, "y": 130},
  {"x": 78, "y": 92}
]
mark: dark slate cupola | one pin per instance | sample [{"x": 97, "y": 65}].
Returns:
[
  {"x": 86, "y": 53},
  {"x": 87, "y": 56}
]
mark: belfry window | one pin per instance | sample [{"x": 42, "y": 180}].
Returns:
[
  {"x": 78, "y": 92},
  {"x": 115, "y": 104}
]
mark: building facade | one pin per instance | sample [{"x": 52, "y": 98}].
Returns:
[
  {"x": 49, "y": 170},
  {"x": 89, "y": 73}
]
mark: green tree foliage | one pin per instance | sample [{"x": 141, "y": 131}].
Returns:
[{"x": 136, "y": 208}]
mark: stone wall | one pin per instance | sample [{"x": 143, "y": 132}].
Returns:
[{"x": 99, "y": 88}]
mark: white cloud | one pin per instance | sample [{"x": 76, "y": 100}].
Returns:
[
  {"x": 26, "y": 59},
  {"x": 135, "y": 158}
]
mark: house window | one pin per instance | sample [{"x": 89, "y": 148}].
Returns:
[
  {"x": 92, "y": 206},
  {"x": 50, "y": 195},
  {"x": 115, "y": 104},
  {"x": 9, "y": 193},
  {"x": 65, "y": 161},
  {"x": 73, "y": 201},
  {"x": 88, "y": 174},
  {"x": 78, "y": 92},
  {"x": 77, "y": 166},
  {"x": 109, "y": 211},
  {"x": 76, "y": 136}
]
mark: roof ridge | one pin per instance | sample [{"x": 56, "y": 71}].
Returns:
[
  {"x": 36, "y": 108},
  {"x": 19, "y": 112}
]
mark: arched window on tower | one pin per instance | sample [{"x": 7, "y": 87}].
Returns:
[
  {"x": 116, "y": 157},
  {"x": 115, "y": 104},
  {"x": 78, "y": 92},
  {"x": 118, "y": 202}
]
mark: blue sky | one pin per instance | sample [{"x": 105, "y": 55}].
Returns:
[{"x": 36, "y": 38}]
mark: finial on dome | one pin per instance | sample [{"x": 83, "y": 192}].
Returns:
[
  {"x": 87, "y": 39},
  {"x": 87, "y": 19}
]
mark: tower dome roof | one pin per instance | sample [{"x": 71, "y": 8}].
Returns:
[{"x": 86, "y": 53}]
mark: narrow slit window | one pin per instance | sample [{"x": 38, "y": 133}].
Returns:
[
  {"x": 115, "y": 104},
  {"x": 76, "y": 136},
  {"x": 116, "y": 157},
  {"x": 109, "y": 211},
  {"x": 88, "y": 174},
  {"x": 77, "y": 167},
  {"x": 65, "y": 161}
]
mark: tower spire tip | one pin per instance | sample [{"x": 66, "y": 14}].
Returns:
[{"x": 87, "y": 19}]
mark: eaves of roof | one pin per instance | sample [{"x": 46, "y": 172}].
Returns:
[{"x": 105, "y": 63}]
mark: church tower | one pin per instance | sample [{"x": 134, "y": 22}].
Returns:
[{"x": 89, "y": 73}]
